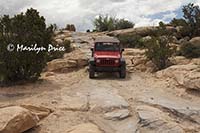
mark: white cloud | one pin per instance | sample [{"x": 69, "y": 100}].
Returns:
[
  {"x": 82, "y": 12},
  {"x": 197, "y": 2},
  {"x": 169, "y": 16}
]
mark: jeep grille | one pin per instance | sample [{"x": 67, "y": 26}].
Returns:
[{"x": 107, "y": 62}]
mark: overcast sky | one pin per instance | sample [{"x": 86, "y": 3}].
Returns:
[{"x": 82, "y": 12}]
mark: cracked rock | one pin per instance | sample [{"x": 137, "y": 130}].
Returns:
[
  {"x": 117, "y": 114},
  {"x": 154, "y": 120}
]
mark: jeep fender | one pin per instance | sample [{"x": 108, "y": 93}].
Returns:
[{"x": 122, "y": 62}]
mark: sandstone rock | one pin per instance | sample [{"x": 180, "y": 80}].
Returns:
[
  {"x": 187, "y": 76},
  {"x": 192, "y": 80},
  {"x": 180, "y": 60},
  {"x": 155, "y": 120},
  {"x": 16, "y": 119},
  {"x": 60, "y": 64},
  {"x": 75, "y": 59},
  {"x": 136, "y": 60},
  {"x": 40, "y": 111},
  {"x": 133, "y": 52},
  {"x": 117, "y": 114},
  {"x": 142, "y": 31},
  {"x": 59, "y": 41},
  {"x": 60, "y": 36},
  {"x": 102, "y": 100},
  {"x": 85, "y": 128},
  {"x": 48, "y": 74},
  {"x": 181, "y": 110},
  {"x": 82, "y": 62},
  {"x": 195, "y": 41},
  {"x": 71, "y": 63},
  {"x": 128, "y": 125},
  {"x": 78, "y": 102},
  {"x": 196, "y": 61}
]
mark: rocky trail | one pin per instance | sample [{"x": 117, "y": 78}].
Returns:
[{"x": 72, "y": 103}]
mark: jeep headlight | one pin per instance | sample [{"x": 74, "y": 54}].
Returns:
[
  {"x": 116, "y": 61},
  {"x": 98, "y": 60}
]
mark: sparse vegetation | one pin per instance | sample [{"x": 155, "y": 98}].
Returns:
[
  {"x": 26, "y": 29},
  {"x": 158, "y": 47},
  {"x": 123, "y": 24},
  {"x": 106, "y": 23},
  {"x": 131, "y": 41},
  {"x": 71, "y": 27},
  {"x": 191, "y": 22},
  {"x": 190, "y": 50},
  {"x": 59, "y": 54},
  {"x": 159, "y": 51},
  {"x": 192, "y": 17}
]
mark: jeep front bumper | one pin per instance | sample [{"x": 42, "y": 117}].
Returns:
[{"x": 106, "y": 69}]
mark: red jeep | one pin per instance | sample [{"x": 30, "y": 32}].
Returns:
[{"x": 107, "y": 57}]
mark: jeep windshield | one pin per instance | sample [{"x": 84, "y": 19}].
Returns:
[{"x": 107, "y": 47}]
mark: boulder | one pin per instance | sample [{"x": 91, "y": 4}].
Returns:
[
  {"x": 59, "y": 41},
  {"x": 60, "y": 64},
  {"x": 16, "y": 119},
  {"x": 85, "y": 128},
  {"x": 196, "y": 61},
  {"x": 192, "y": 80},
  {"x": 136, "y": 60},
  {"x": 161, "y": 105},
  {"x": 180, "y": 60},
  {"x": 154, "y": 120},
  {"x": 40, "y": 111},
  {"x": 133, "y": 52},
  {"x": 117, "y": 114},
  {"x": 195, "y": 41},
  {"x": 187, "y": 76},
  {"x": 128, "y": 125},
  {"x": 70, "y": 61}
]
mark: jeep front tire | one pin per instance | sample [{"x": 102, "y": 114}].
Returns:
[
  {"x": 122, "y": 72},
  {"x": 91, "y": 72}
]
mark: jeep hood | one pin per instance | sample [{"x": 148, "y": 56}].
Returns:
[{"x": 107, "y": 54}]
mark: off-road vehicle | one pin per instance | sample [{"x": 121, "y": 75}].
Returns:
[{"x": 107, "y": 57}]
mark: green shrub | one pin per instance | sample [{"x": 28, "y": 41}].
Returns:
[
  {"x": 59, "y": 54},
  {"x": 70, "y": 27},
  {"x": 124, "y": 24},
  {"x": 24, "y": 29},
  {"x": 191, "y": 22},
  {"x": 131, "y": 41},
  {"x": 88, "y": 31},
  {"x": 192, "y": 17},
  {"x": 106, "y": 23},
  {"x": 159, "y": 51},
  {"x": 190, "y": 51}
]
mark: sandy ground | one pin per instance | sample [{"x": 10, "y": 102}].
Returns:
[{"x": 138, "y": 89}]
